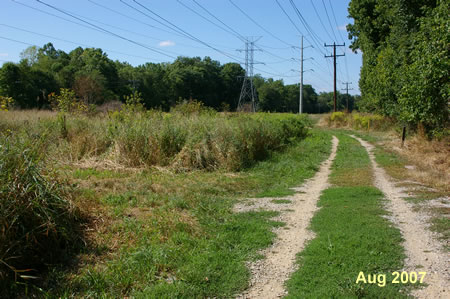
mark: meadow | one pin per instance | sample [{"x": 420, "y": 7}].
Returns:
[{"x": 139, "y": 202}]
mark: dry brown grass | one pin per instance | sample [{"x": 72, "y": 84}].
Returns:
[
  {"x": 430, "y": 158},
  {"x": 353, "y": 177},
  {"x": 26, "y": 115}
]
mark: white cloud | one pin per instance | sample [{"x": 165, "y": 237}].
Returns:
[
  {"x": 342, "y": 28},
  {"x": 4, "y": 54},
  {"x": 166, "y": 43}
]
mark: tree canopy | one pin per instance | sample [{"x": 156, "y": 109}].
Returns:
[
  {"x": 95, "y": 79},
  {"x": 406, "y": 61}
]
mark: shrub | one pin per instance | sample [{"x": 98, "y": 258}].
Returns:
[
  {"x": 66, "y": 101},
  {"x": 133, "y": 103},
  {"x": 360, "y": 121},
  {"x": 338, "y": 118},
  {"x": 6, "y": 103}
]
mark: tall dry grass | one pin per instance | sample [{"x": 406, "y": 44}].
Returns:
[
  {"x": 38, "y": 224},
  {"x": 199, "y": 139}
]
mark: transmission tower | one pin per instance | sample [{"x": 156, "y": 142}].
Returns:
[{"x": 248, "y": 97}]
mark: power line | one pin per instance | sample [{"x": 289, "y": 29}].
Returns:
[
  {"x": 205, "y": 18},
  {"x": 53, "y": 15},
  {"x": 72, "y": 42},
  {"x": 134, "y": 19},
  {"x": 287, "y": 15},
  {"x": 296, "y": 27},
  {"x": 335, "y": 21},
  {"x": 257, "y": 24},
  {"x": 211, "y": 14},
  {"x": 308, "y": 28},
  {"x": 329, "y": 21},
  {"x": 123, "y": 29},
  {"x": 340, "y": 35},
  {"x": 105, "y": 30},
  {"x": 177, "y": 28},
  {"x": 144, "y": 23},
  {"x": 16, "y": 41},
  {"x": 320, "y": 19}
]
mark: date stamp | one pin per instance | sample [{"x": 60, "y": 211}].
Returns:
[{"x": 397, "y": 277}]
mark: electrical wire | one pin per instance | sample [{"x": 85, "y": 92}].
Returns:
[
  {"x": 257, "y": 24},
  {"x": 16, "y": 41},
  {"x": 212, "y": 15},
  {"x": 329, "y": 21},
  {"x": 320, "y": 19},
  {"x": 72, "y": 42},
  {"x": 105, "y": 30},
  {"x": 335, "y": 21},
  {"x": 172, "y": 26}
]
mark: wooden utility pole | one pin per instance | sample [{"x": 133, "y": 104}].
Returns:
[{"x": 334, "y": 62}]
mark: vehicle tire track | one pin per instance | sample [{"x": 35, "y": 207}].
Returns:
[
  {"x": 421, "y": 248},
  {"x": 269, "y": 274}
]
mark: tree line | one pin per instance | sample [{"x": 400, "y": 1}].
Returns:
[
  {"x": 406, "y": 62},
  {"x": 96, "y": 79}
]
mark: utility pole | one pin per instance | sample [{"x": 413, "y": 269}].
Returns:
[
  {"x": 347, "y": 89},
  {"x": 300, "y": 108},
  {"x": 334, "y": 62},
  {"x": 300, "y": 104},
  {"x": 248, "y": 92}
]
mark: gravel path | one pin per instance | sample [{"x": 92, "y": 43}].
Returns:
[
  {"x": 270, "y": 273},
  {"x": 424, "y": 252}
]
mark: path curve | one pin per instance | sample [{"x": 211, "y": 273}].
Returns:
[
  {"x": 422, "y": 250},
  {"x": 269, "y": 274}
]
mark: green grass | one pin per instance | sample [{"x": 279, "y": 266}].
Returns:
[
  {"x": 352, "y": 235},
  {"x": 395, "y": 167},
  {"x": 174, "y": 233},
  {"x": 442, "y": 225},
  {"x": 352, "y": 165},
  {"x": 100, "y": 174},
  {"x": 284, "y": 171}
]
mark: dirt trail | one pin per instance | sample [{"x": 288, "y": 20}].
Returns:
[
  {"x": 422, "y": 250},
  {"x": 270, "y": 273}
]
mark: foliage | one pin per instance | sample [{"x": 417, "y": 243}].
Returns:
[
  {"x": 359, "y": 121},
  {"x": 405, "y": 72},
  {"x": 133, "y": 102},
  {"x": 67, "y": 101},
  {"x": 6, "y": 103},
  {"x": 37, "y": 220},
  {"x": 427, "y": 102},
  {"x": 191, "y": 107},
  {"x": 96, "y": 79}
]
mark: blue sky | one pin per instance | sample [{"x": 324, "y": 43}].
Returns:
[{"x": 214, "y": 28}]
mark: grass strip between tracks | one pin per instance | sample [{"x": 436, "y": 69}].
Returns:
[{"x": 352, "y": 236}]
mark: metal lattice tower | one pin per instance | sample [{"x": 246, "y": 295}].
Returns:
[{"x": 248, "y": 97}]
